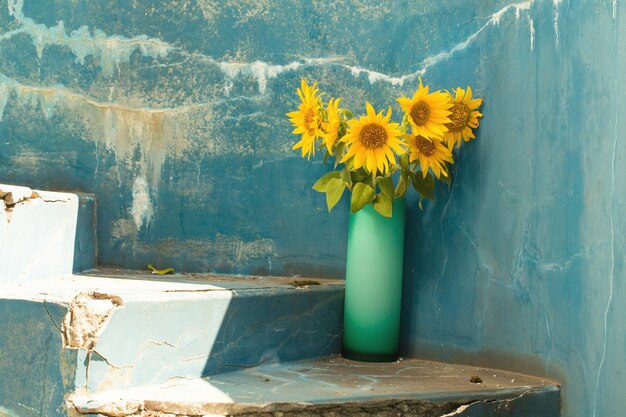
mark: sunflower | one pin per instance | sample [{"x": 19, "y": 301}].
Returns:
[
  {"x": 373, "y": 139},
  {"x": 427, "y": 113},
  {"x": 307, "y": 119},
  {"x": 332, "y": 125},
  {"x": 431, "y": 153},
  {"x": 464, "y": 117}
]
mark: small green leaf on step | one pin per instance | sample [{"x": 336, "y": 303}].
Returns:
[{"x": 161, "y": 271}]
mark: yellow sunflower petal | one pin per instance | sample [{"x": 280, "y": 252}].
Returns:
[{"x": 371, "y": 139}]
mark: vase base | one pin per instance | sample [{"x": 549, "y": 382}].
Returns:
[{"x": 370, "y": 357}]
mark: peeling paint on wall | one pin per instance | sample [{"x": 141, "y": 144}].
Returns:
[
  {"x": 141, "y": 209},
  {"x": 110, "y": 51}
]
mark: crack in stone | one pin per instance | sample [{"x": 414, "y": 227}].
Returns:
[
  {"x": 54, "y": 323},
  {"x": 108, "y": 362},
  {"x": 236, "y": 366}
]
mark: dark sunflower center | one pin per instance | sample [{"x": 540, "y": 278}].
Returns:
[
  {"x": 420, "y": 112},
  {"x": 426, "y": 146},
  {"x": 373, "y": 135},
  {"x": 460, "y": 117},
  {"x": 309, "y": 119}
]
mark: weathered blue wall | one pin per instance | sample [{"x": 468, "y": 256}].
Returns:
[
  {"x": 522, "y": 264},
  {"x": 172, "y": 113}
]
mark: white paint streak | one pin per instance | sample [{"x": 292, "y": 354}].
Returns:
[
  {"x": 436, "y": 59},
  {"x": 262, "y": 72},
  {"x": 374, "y": 76},
  {"x": 114, "y": 50},
  {"x": 531, "y": 25},
  {"x": 110, "y": 51},
  {"x": 556, "y": 22},
  {"x": 518, "y": 7},
  {"x": 141, "y": 209},
  {"x": 9, "y": 35}
]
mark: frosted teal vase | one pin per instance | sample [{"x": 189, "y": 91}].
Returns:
[{"x": 371, "y": 324}]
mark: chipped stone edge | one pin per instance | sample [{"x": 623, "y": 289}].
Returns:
[
  {"x": 13, "y": 195},
  {"x": 87, "y": 317},
  {"x": 154, "y": 408}
]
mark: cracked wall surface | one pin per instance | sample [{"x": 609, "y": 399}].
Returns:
[
  {"x": 175, "y": 120},
  {"x": 521, "y": 263},
  {"x": 172, "y": 113}
]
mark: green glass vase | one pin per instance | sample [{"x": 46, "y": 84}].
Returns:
[{"x": 371, "y": 324}]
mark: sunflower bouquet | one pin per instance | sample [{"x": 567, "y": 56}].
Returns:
[{"x": 378, "y": 159}]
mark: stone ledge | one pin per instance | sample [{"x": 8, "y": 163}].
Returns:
[
  {"x": 122, "y": 329},
  {"x": 337, "y": 387},
  {"x": 44, "y": 234}
]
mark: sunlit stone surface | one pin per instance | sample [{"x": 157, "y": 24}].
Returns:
[{"x": 341, "y": 387}]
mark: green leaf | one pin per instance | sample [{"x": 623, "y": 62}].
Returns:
[
  {"x": 404, "y": 162},
  {"x": 334, "y": 191},
  {"x": 383, "y": 205},
  {"x": 321, "y": 185},
  {"x": 350, "y": 163},
  {"x": 339, "y": 151},
  {"x": 359, "y": 176},
  {"x": 161, "y": 271},
  {"x": 386, "y": 186},
  {"x": 362, "y": 194},
  {"x": 348, "y": 113},
  {"x": 424, "y": 186},
  {"x": 345, "y": 176}
]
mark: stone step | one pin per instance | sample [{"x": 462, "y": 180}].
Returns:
[
  {"x": 337, "y": 387},
  {"x": 44, "y": 234},
  {"x": 112, "y": 329}
]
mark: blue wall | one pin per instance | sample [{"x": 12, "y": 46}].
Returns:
[
  {"x": 172, "y": 113},
  {"x": 521, "y": 265}
]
